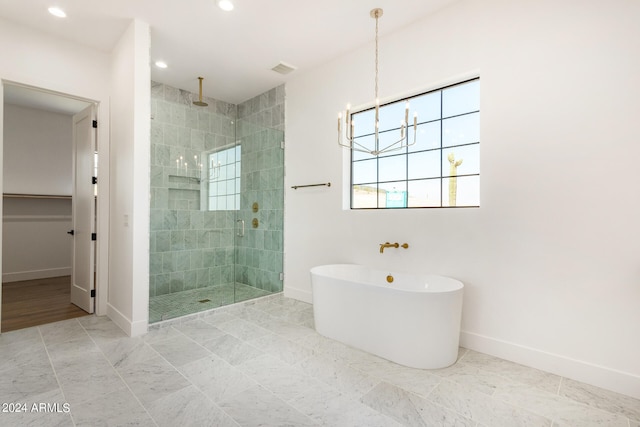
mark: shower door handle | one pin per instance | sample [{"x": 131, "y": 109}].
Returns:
[{"x": 240, "y": 230}]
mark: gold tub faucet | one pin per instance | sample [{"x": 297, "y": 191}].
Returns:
[{"x": 392, "y": 245}]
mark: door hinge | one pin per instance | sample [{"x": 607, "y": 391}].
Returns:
[
  {"x": 282, "y": 145},
  {"x": 281, "y": 276},
  {"x": 93, "y": 293},
  {"x": 95, "y": 123},
  {"x": 94, "y": 179},
  {"x": 94, "y": 236}
]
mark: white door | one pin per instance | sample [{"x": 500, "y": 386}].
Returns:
[{"x": 83, "y": 210}]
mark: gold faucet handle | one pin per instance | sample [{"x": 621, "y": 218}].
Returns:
[{"x": 405, "y": 245}]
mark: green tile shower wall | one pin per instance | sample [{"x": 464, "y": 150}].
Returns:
[
  {"x": 261, "y": 132},
  {"x": 190, "y": 248}
]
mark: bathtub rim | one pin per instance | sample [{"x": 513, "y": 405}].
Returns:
[{"x": 456, "y": 285}]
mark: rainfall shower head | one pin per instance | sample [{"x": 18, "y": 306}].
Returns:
[{"x": 199, "y": 102}]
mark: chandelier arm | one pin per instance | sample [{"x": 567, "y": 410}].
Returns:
[
  {"x": 388, "y": 148},
  {"x": 352, "y": 145},
  {"x": 361, "y": 146}
]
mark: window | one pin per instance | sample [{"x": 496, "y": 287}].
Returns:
[
  {"x": 442, "y": 169},
  {"x": 223, "y": 167}
]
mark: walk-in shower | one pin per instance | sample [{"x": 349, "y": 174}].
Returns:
[{"x": 217, "y": 174}]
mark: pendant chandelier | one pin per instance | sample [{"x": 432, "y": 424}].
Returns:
[{"x": 349, "y": 140}]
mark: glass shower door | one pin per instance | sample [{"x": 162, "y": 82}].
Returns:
[
  {"x": 259, "y": 221},
  {"x": 216, "y": 201}
]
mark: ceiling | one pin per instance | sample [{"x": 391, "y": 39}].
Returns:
[{"x": 234, "y": 51}]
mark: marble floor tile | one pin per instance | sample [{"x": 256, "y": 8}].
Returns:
[
  {"x": 287, "y": 329},
  {"x": 81, "y": 344},
  {"x": 562, "y": 410},
  {"x": 373, "y": 365},
  {"x": 342, "y": 377},
  {"x": 216, "y": 378},
  {"x": 271, "y": 307},
  {"x": 123, "y": 352},
  {"x": 410, "y": 409},
  {"x": 153, "y": 379},
  {"x": 219, "y": 316},
  {"x": 242, "y": 329},
  {"x": 55, "y": 414},
  {"x": 418, "y": 381},
  {"x": 573, "y": 416},
  {"x": 332, "y": 349},
  {"x": 21, "y": 335},
  {"x": 180, "y": 350},
  {"x": 303, "y": 317},
  {"x": 473, "y": 376},
  {"x": 199, "y": 330},
  {"x": 61, "y": 331},
  {"x": 280, "y": 347},
  {"x": 253, "y": 315},
  {"x": 283, "y": 380},
  {"x": 114, "y": 409},
  {"x": 257, "y": 406},
  {"x": 101, "y": 329},
  {"x": 601, "y": 399},
  {"x": 480, "y": 407},
  {"x": 19, "y": 382},
  {"x": 188, "y": 407},
  {"x": 161, "y": 333},
  {"x": 87, "y": 376},
  {"x": 327, "y": 406},
  {"x": 37, "y": 419},
  {"x": 233, "y": 365},
  {"x": 25, "y": 352},
  {"x": 506, "y": 369},
  {"x": 232, "y": 350}
]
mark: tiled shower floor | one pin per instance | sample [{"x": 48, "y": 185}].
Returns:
[{"x": 170, "y": 306}]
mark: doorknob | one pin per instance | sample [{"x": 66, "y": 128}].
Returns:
[{"x": 70, "y": 232}]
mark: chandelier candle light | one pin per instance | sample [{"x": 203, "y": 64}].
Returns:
[{"x": 351, "y": 143}]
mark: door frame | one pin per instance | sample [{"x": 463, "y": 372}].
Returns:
[
  {"x": 102, "y": 208},
  {"x": 83, "y": 169}
]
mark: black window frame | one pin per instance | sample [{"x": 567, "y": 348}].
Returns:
[{"x": 405, "y": 152}]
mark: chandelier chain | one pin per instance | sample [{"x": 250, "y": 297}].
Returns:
[{"x": 376, "y": 86}]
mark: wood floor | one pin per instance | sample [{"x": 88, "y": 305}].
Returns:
[{"x": 37, "y": 302}]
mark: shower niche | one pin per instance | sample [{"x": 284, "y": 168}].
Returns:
[{"x": 210, "y": 165}]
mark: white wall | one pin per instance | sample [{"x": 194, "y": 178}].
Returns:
[
  {"x": 37, "y": 160},
  {"x": 551, "y": 259},
  {"x": 130, "y": 162},
  {"x": 35, "y": 243},
  {"x": 37, "y": 150},
  {"x": 33, "y": 58}
]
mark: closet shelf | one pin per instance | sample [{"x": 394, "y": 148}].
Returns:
[{"x": 34, "y": 196}]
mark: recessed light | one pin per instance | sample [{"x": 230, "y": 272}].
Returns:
[
  {"x": 56, "y": 11},
  {"x": 225, "y": 5},
  {"x": 161, "y": 64}
]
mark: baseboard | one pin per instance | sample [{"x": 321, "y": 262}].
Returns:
[
  {"x": 599, "y": 376},
  {"x": 35, "y": 274},
  {"x": 132, "y": 329},
  {"x": 298, "y": 294}
]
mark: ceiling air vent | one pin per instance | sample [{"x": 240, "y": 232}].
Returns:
[{"x": 283, "y": 68}]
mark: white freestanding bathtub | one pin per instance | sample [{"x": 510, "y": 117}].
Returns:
[{"x": 413, "y": 321}]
